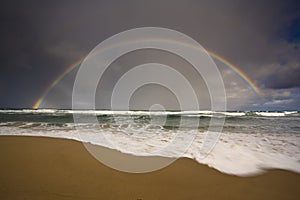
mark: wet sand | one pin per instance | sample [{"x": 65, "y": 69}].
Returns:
[{"x": 48, "y": 168}]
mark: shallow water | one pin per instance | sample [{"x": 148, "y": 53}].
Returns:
[{"x": 249, "y": 143}]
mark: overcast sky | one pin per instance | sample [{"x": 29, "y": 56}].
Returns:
[{"x": 40, "y": 39}]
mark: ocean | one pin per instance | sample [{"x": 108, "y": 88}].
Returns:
[{"x": 250, "y": 142}]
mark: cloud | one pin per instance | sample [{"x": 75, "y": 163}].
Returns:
[
  {"x": 278, "y": 102},
  {"x": 274, "y": 93},
  {"x": 283, "y": 76},
  {"x": 259, "y": 37}
]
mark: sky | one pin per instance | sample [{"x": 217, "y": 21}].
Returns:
[{"x": 40, "y": 39}]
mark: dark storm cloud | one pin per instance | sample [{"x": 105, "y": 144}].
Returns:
[
  {"x": 293, "y": 30},
  {"x": 39, "y": 39},
  {"x": 25, "y": 67},
  {"x": 283, "y": 79}
]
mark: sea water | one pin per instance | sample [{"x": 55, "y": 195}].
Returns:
[{"x": 250, "y": 142}]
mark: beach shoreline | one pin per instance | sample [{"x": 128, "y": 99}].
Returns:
[{"x": 52, "y": 168}]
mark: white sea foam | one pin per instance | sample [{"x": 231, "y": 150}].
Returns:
[
  {"x": 290, "y": 112},
  {"x": 270, "y": 114},
  {"x": 256, "y": 146},
  {"x": 233, "y": 113},
  {"x": 235, "y": 153},
  {"x": 111, "y": 112}
]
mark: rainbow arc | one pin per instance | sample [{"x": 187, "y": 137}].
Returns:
[{"x": 216, "y": 56}]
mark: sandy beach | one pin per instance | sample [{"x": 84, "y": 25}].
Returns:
[{"x": 48, "y": 168}]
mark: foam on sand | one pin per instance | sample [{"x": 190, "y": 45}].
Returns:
[{"x": 249, "y": 144}]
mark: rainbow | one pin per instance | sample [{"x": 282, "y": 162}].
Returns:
[
  {"x": 237, "y": 71},
  {"x": 38, "y": 103},
  {"x": 227, "y": 63}
]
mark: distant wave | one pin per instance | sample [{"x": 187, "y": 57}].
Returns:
[{"x": 181, "y": 113}]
